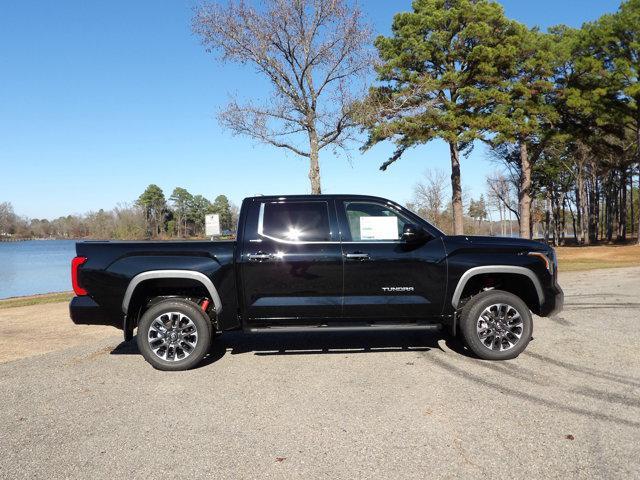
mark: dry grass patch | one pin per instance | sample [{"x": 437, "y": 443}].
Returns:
[
  {"x": 36, "y": 329},
  {"x": 599, "y": 256},
  {"x": 36, "y": 299}
]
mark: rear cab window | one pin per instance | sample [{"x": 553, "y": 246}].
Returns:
[{"x": 295, "y": 221}]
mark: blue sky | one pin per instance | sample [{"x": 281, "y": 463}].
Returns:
[{"x": 99, "y": 99}]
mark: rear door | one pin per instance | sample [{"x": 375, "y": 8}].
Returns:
[
  {"x": 384, "y": 276},
  {"x": 291, "y": 262}
]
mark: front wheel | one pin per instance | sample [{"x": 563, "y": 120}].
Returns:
[
  {"x": 496, "y": 325},
  {"x": 174, "y": 334}
]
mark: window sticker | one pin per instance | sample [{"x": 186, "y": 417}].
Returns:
[{"x": 378, "y": 228}]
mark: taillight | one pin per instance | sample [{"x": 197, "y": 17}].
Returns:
[{"x": 75, "y": 264}]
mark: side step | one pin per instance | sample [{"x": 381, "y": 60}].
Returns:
[{"x": 346, "y": 328}]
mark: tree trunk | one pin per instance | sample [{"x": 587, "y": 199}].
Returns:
[
  {"x": 638, "y": 229},
  {"x": 592, "y": 188},
  {"x": 314, "y": 163},
  {"x": 510, "y": 225},
  {"x": 638, "y": 160},
  {"x": 456, "y": 190},
  {"x": 622, "y": 225},
  {"x": 547, "y": 217},
  {"x": 577, "y": 233},
  {"x": 573, "y": 222},
  {"x": 582, "y": 206},
  {"x": 611, "y": 209},
  {"x": 597, "y": 206},
  {"x": 524, "y": 192},
  {"x": 638, "y": 212},
  {"x": 632, "y": 224},
  {"x": 490, "y": 222},
  {"x": 564, "y": 219},
  {"x": 615, "y": 212}
]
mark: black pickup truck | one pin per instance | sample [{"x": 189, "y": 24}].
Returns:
[{"x": 328, "y": 262}]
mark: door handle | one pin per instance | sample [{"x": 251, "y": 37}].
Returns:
[
  {"x": 259, "y": 256},
  {"x": 358, "y": 256}
]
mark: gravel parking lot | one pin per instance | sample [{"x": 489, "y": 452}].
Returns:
[{"x": 375, "y": 405}]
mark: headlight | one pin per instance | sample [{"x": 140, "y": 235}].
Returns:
[{"x": 549, "y": 260}]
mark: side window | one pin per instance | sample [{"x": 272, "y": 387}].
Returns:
[
  {"x": 374, "y": 222},
  {"x": 295, "y": 221}
]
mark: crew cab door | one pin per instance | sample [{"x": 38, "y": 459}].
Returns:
[
  {"x": 384, "y": 276},
  {"x": 291, "y": 262}
]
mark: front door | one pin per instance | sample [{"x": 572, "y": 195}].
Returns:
[
  {"x": 291, "y": 262},
  {"x": 384, "y": 276}
]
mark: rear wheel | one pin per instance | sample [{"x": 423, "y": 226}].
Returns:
[
  {"x": 496, "y": 325},
  {"x": 174, "y": 334}
]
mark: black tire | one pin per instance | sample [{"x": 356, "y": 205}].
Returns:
[
  {"x": 472, "y": 327},
  {"x": 180, "y": 355}
]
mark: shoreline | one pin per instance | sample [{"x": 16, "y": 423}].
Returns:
[
  {"x": 33, "y": 239},
  {"x": 36, "y": 299}
]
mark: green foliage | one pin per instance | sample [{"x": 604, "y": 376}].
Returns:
[
  {"x": 617, "y": 38},
  {"x": 222, "y": 207},
  {"x": 527, "y": 110},
  {"x": 172, "y": 229},
  {"x": 478, "y": 209},
  {"x": 198, "y": 208},
  {"x": 181, "y": 201},
  {"x": 154, "y": 205},
  {"x": 441, "y": 74},
  {"x": 152, "y": 198}
]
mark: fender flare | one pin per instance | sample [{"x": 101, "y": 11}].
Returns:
[
  {"x": 472, "y": 272},
  {"x": 155, "y": 274}
]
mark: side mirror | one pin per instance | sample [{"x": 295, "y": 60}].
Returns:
[{"x": 413, "y": 233}]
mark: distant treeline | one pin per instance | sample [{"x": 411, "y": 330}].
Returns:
[{"x": 150, "y": 216}]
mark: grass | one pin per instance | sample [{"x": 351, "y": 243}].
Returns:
[
  {"x": 36, "y": 300},
  {"x": 597, "y": 256}
]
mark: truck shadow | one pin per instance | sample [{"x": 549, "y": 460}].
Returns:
[
  {"x": 523, "y": 380},
  {"x": 314, "y": 343}
]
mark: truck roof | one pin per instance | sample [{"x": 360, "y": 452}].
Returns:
[{"x": 339, "y": 196}]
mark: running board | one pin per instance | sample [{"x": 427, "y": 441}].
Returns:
[{"x": 350, "y": 328}]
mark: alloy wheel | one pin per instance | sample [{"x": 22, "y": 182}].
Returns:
[
  {"x": 499, "y": 327},
  {"x": 172, "y": 336}
]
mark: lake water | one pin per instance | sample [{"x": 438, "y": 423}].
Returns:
[{"x": 35, "y": 266}]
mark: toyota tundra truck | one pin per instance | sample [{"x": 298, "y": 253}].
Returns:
[{"x": 316, "y": 263}]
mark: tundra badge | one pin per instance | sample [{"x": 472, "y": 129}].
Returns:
[{"x": 397, "y": 289}]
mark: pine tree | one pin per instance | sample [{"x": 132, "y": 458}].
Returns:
[
  {"x": 441, "y": 73},
  {"x": 154, "y": 205}
]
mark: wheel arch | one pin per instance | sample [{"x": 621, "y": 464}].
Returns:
[
  {"x": 502, "y": 270},
  {"x": 172, "y": 274},
  {"x": 191, "y": 278}
]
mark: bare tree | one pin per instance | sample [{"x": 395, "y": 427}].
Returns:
[
  {"x": 7, "y": 217},
  {"x": 430, "y": 193},
  {"x": 502, "y": 188},
  {"x": 311, "y": 51},
  {"x": 500, "y": 193}
]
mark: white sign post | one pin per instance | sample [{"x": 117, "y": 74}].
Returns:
[{"x": 212, "y": 225}]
